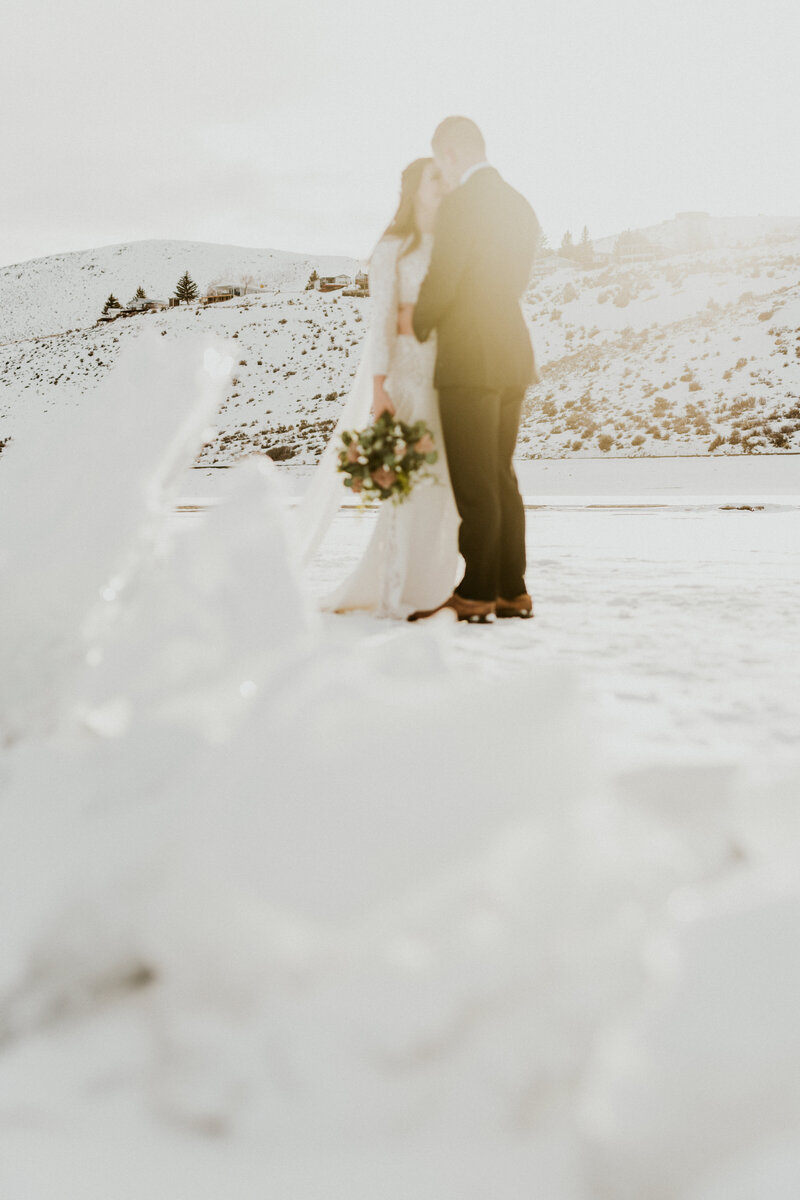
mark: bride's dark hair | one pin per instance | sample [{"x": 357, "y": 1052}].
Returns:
[{"x": 404, "y": 222}]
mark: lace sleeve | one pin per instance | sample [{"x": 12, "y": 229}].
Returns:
[{"x": 384, "y": 293}]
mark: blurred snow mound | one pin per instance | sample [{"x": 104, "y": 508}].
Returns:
[
  {"x": 707, "y": 1069},
  {"x": 81, "y": 508},
  {"x": 380, "y": 898}
]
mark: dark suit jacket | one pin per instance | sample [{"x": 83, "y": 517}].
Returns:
[{"x": 485, "y": 240}]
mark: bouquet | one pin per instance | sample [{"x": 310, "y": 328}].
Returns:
[{"x": 385, "y": 460}]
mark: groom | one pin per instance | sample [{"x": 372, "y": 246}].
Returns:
[{"x": 485, "y": 239}]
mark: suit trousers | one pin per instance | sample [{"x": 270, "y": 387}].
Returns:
[{"x": 480, "y": 432}]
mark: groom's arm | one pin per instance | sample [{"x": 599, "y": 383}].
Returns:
[{"x": 451, "y": 245}]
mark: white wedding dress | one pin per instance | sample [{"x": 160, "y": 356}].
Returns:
[{"x": 411, "y": 559}]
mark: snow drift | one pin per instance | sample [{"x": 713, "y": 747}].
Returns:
[{"x": 281, "y": 918}]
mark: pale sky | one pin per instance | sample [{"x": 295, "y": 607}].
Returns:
[{"x": 257, "y": 123}]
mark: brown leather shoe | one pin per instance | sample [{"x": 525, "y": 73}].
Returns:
[
  {"x": 520, "y": 606},
  {"x": 477, "y": 612}
]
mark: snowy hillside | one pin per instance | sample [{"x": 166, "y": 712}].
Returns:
[
  {"x": 294, "y": 904},
  {"x": 682, "y": 355},
  {"x": 693, "y": 230},
  {"x": 65, "y": 291},
  {"x": 688, "y": 354}
]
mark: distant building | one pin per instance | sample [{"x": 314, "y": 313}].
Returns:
[
  {"x": 217, "y": 292},
  {"x": 144, "y": 304},
  {"x": 360, "y": 285},
  {"x": 632, "y": 246},
  {"x": 227, "y": 291},
  {"x": 332, "y": 283},
  {"x": 547, "y": 261}
]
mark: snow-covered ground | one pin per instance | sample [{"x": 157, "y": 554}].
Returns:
[
  {"x": 579, "y": 482},
  {"x": 683, "y": 355},
  {"x": 679, "y": 622},
  {"x": 690, "y": 352},
  {"x": 49, "y": 295},
  {"x": 298, "y": 906}
]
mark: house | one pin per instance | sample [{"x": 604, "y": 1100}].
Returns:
[
  {"x": 637, "y": 254},
  {"x": 225, "y": 291},
  {"x": 360, "y": 286},
  {"x": 633, "y": 246},
  {"x": 332, "y": 283},
  {"x": 144, "y": 304},
  {"x": 217, "y": 292},
  {"x": 547, "y": 261}
]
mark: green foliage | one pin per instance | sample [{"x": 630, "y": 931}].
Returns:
[
  {"x": 187, "y": 288},
  {"x": 384, "y": 460}
]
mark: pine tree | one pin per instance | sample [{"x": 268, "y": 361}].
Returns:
[
  {"x": 141, "y": 294},
  {"x": 312, "y": 279},
  {"x": 585, "y": 251},
  {"x": 567, "y": 245},
  {"x": 187, "y": 288},
  {"x": 111, "y": 302},
  {"x": 544, "y": 241}
]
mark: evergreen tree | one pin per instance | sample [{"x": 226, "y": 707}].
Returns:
[
  {"x": 111, "y": 302},
  {"x": 187, "y": 288},
  {"x": 141, "y": 294},
  {"x": 544, "y": 241},
  {"x": 585, "y": 250},
  {"x": 567, "y": 246},
  {"x": 312, "y": 279}
]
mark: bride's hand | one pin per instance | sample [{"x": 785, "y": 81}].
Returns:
[
  {"x": 405, "y": 320},
  {"x": 381, "y": 400}
]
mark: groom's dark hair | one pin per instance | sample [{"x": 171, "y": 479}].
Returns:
[{"x": 460, "y": 135}]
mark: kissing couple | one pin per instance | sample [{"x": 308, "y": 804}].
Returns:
[{"x": 447, "y": 345}]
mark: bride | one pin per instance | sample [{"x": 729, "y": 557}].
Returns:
[{"x": 411, "y": 559}]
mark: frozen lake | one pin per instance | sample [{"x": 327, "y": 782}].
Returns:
[
  {"x": 669, "y": 585},
  {"x": 580, "y": 481},
  {"x": 681, "y": 623}
]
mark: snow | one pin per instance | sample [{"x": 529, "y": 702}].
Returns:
[
  {"x": 678, "y": 354},
  {"x": 714, "y": 231},
  {"x": 680, "y": 620},
  {"x": 664, "y": 358},
  {"x": 48, "y": 295},
  {"x": 299, "y": 905},
  {"x": 97, "y": 522}
]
